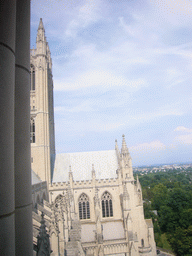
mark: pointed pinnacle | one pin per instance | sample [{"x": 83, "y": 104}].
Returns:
[
  {"x": 116, "y": 146},
  {"x": 124, "y": 148},
  {"x": 41, "y": 24},
  {"x": 137, "y": 179}
]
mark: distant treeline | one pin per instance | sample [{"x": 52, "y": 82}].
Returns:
[{"x": 169, "y": 194}]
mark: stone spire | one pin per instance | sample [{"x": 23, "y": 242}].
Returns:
[
  {"x": 124, "y": 149},
  {"x": 125, "y": 161},
  {"x": 41, "y": 43},
  {"x": 70, "y": 175},
  {"x": 42, "y": 112},
  {"x": 117, "y": 151},
  {"x": 139, "y": 192},
  {"x": 116, "y": 146},
  {"x": 41, "y": 24},
  {"x": 93, "y": 172},
  {"x": 138, "y": 184},
  {"x": 43, "y": 244},
  {"x": 41, "y": 32}
]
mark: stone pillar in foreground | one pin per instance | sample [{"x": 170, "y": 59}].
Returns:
[
  {"x": 7, "y": 85},
  {"x": 23, "y": 194}
]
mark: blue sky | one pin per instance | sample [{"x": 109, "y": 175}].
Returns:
[{"x": 121, "y": 67}]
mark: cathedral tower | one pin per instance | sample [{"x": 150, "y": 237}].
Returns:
[{"x": 42, "y": 114}]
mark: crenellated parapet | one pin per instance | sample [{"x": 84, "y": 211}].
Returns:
[
  {"x": 83, "y": 184},
  {"x": 107, "y": 181},
  {"x": 58, "y": 185}
]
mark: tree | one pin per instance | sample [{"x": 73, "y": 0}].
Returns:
[
  {"x": 181, "y": 241},
  {"x": 179, "y": 199},
  {"x": 160, "y": 193},
  {"x": 168, "y": 219},
  {"x": 185, "y": 218}
]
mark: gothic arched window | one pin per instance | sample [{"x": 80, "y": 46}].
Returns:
[
  {"x": 84, "y": 208},
  {"x": 32, "y": 131},
  {"x": 107, "y": 205},
  {"x": 32, "y": 78}
]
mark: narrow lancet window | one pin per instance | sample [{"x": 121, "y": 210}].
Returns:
[
  {"x": 84, "y": 209},
  {"x": 88, "y": 211},
  {"x": 80, "y": 211},
  {"x": 32, "y": 78},
  {"x": 32, "y": 131},
  {"x": 107, "y": 205}
]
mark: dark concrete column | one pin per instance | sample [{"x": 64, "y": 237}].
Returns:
[
  {"x": 23, "y": 194},
  {"x": 7, "y": 85}
]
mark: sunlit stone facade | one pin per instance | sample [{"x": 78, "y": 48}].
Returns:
[
  {"x": 41, "y": 104},
  {"x": 91, "y": 201}
]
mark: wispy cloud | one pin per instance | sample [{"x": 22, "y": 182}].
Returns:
[
  {"x": 120, "y": 66},
  {"x": 98, "y": 79},
  {"x": 183, "y": 129},
  {"x": 177, "y": 13},
  {"x": 185, "y": 137},
  {"x": 153, "y": 146},
  {"x": 88, "y": 14},
  {"x": 178, "y": 7}
]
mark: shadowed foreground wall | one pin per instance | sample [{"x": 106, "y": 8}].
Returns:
[{"x": 15, "y": 170}]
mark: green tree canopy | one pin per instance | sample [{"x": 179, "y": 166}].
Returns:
[{"x": 160, "y": 194}]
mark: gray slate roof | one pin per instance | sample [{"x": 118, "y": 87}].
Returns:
[
  {"x": 105, "y": 165},
  {"x": 35, "y": 178}
]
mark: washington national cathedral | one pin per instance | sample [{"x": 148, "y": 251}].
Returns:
[
  {"x": 91, "y": 203},
  {"x": 85, "y": 203}
]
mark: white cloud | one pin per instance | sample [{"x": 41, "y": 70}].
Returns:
[
  {"x": 104, "y": 127},
  {"x": 114, "y": 66},
  {"x": 127, "y": 28},
  {"x": 88, "y": 14},
  {"x": 182, "y": 129},
  {"x": 84, "y": 106},
  {"x": 184, "y": 138},
  {"x": 178, "y": 7},
  {"x": 183, "y": 50},
  {"x": 94, "y": 124},
  {"x": 174, "y": 12},
  {"x": 102, "y": 80},
  {"x": 170, "y": 110},
  {"x": 153, "y": 146}
]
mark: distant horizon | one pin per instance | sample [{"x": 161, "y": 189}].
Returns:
[
  {"x": 121, "y": 68},
  {"x": 163, "y": 164}
]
